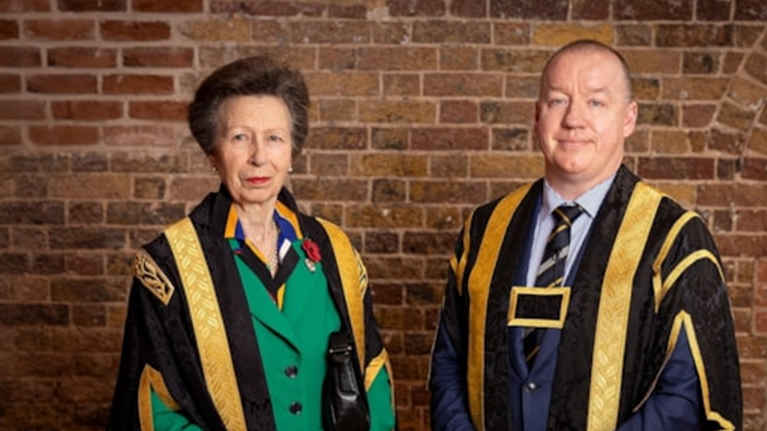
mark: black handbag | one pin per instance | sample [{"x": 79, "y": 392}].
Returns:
[{"x": 345, "y": 403}]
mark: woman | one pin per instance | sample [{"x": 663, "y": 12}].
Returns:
[{"x": 232, "y": 308}]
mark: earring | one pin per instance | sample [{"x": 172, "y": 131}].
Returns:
[{"x": 290, "y": 169}]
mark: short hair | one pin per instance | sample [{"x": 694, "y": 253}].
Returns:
[
  {"x": 250, "y": 76},
  {"x": 585, "y": 45}
]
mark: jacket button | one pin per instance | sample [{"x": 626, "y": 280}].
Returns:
[
  {"x": 295, "y": 407},
  {"x": 291, "y": 371},
  {"x": 530, "y": 387}
]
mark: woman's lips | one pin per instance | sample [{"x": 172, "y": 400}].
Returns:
[{"x": 256, "y": 181}]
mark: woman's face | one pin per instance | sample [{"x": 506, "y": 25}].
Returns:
[{"x": 253, "y": 148}]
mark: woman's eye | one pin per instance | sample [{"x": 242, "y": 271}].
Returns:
[{"x": 276, "y": 138}]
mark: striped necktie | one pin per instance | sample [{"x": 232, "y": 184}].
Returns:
[{"x": 551, "y": 272}]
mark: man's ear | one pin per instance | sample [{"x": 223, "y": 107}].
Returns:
[{"x": 630, "y": 119}]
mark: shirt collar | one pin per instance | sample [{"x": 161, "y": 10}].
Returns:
[{"x": 589, "y": 201}]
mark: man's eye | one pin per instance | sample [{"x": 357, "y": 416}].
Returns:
[
  {"x": 557, "y": 101},
  {"x": 596, "y": 103}
]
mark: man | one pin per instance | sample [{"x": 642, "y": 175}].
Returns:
[{"x": 631, "y": 331}]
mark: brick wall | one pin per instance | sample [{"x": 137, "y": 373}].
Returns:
[{"x": 421, "y": 110}]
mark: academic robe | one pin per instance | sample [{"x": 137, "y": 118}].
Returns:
[
  {"x": 648, "y": 271},
  {"x": 189, "y": 335}
]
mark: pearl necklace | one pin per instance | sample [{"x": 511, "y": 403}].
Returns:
[{"x": 273, "y": 262}]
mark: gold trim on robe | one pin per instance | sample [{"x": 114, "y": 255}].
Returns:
[{"x": 212, "y": 342}]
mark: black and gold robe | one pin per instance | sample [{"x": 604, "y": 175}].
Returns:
[{"x": 649, "y": 270}]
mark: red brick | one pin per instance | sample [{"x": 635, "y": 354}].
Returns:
[
  {"x": 456, "y": 192},
  {"x": 391, "y": 33},
  {"x": 738, "y": 195},
  {"x": 337, "y": 110},
  {"x": 463, "y": 85},
  {"x": 459, "y": 32},
  {"x": 92, "y": 5},
  {"x": 529, "y": 9},
  {"x": 82, "y": 57},
  {"x": 167, "y": 6},
  {"x": 751, "y": 220},
  {"x": 87, "y": 110},
  {"x": 390, "y": 138},
  {"x": 677, "y": 168},
  {"x": 417, "y": 7},
  {"x": 9, "y": 30},
  {"x": 507, "y": 112},
  {"x": 389, "y": 165},
  {"x": 672, "y": 35},
  {"x": 329, "y": 164},
  {"x": 513, "y": 61},
  {"x": 22, "y": 109},
  {"x": 137, "y": 84},
  {"x": 347, "y": 12},
  {"x": 129, "y": 31},
  {"x": 511, "y": 139},
  {"x": 59, "y": 29},
  {"x": 139, "y": 136},
  {"x": 393, "y": 215},
  {"x": 698, "y": 115},
  {"x": 331, "y": 189},
  {"x": 12, "y": 56},
  {"x": 10, "y": 135},
  {"x": 61, "y": 84},
  {"x": 701, "y": 62},
  {"x": 266, "y": 8},
  {"x": 400, "y": 58},
  {"x": 754, "y": 169},
  {"x": 158, "y": 57},
  {"x": 469, "y": 9},
  {"x": 591, "y": 9},
  {"x": 403, "y": 111},
  {"x": 402, "y": 85},
  {"x": 756, "y": 67},
  {"x": 343, "y": 84},
  {"x": 659, "y": 114},
  {"x": 25, "y": 6},
  {"x": 160, "y": 111},
  {"x": 458, "y": 111},
  {"x": 458, "y": 57},
  {"x": 750, "y": 10},
  {"x": 64, "y": 135},
  {"x": 714, "y": 10},
  {"x": 657, "y": 10},
  {"x": 471, "y": 139},
  {"x": 338, "y": 138},
  {"x": 634, "y": 35},
  {"x": 336, "y": 32},
  {"x": 506, "y": 166},
  {"x": 511, "y": 33},
  {"x": 10, "y": 83}
]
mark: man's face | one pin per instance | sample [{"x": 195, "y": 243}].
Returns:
[{"x": 583, "y": 116}]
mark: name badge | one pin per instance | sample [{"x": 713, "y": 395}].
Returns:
[{"x": 538, "y": 307}]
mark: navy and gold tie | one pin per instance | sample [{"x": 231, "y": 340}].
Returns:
[{"x": 551, "y": 272}]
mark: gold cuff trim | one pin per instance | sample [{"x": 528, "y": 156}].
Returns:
[
  {"x": 146, "y": 270},
  {"x": 152, "y": 379},
  {"x": 374, "y": 367},
  {"x": 538, "y": 307}
]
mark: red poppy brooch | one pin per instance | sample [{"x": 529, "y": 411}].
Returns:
[{"x": 312, "y": 251}]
